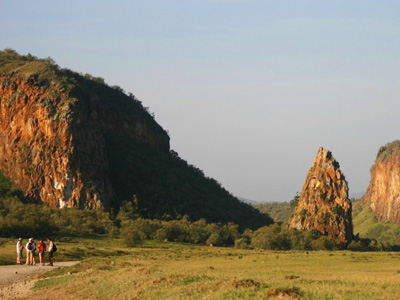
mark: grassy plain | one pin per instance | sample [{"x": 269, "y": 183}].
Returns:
[{"x": 175, "y": 271}]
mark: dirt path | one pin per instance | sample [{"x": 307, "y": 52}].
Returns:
[{"x": 13, "y": 283}]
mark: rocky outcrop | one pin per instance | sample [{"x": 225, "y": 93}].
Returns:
[
  {"x": 53, "y": 141},
  {"x": 70, "y": 140},
  {"x": 323, "y": 204},
  {"x": 383, "y": 193}
]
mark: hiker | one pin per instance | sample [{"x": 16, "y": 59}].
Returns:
[
  {"x": 20, "y": 247},
  {"x": 51, "y": 251},
  {"x": 42, "y": 250},
  {"x": 30, "y": 252}
]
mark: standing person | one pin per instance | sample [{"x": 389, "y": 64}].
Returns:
[
  {"x": 51, "y": 251},
  {"x": 42, "y": 250},
  {"x": 30, "y": 252},
  {"x": 20, "y": 247},
  {"x": 33, "y": 252}
]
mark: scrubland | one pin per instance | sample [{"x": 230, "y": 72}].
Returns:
[{"x": 157, "y": 270}]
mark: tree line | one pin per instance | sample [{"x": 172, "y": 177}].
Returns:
[{"x": 19, "y": 219}]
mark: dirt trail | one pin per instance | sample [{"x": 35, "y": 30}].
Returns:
[{"x": 13, "y": 283}]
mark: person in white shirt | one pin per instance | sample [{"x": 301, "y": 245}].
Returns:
[
  {"x": 51, "y": 251},
  {"x": 19, "y": 251},
  {"x": 30, "y": 248}
]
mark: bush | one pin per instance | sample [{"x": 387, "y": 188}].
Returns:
[
  {"x": 132, "y": 236},
  {"x": 215, "y": 239},
  {"x": 273, "y": 237},
  {"x": 242, "y": 243},
  {"x": 19, "y": 219},
  {"x": 324, "y": 243}
]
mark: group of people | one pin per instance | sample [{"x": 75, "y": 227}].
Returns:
[{"x": 31, "y": 248}]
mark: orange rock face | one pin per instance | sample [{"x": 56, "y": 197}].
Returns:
[
  {"x": 52, "y": 145},
  {"x": 323, "y": 204},
  {"x": 383, "y": 193}
]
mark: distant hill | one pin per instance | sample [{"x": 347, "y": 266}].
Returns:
[
  {"x": 247, "y": 201},
  {"x": 70, "y": 140},
  {"x": 280, "y": 212},
  {"x": 356, "y": 195}
]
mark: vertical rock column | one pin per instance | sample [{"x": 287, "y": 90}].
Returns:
[{"x": 324, "y": 204}]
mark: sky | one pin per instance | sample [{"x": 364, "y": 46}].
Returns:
[{"x": 247, "y": 89}]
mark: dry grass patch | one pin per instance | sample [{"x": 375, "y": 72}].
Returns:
[{"x": 173, "y": 271}]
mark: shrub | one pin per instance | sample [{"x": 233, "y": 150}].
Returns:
[
  {"x": 324, "y": 243},
  {"x": 132, "y": 236},
  {"x": 271, "y": 238},
  {"x": 215, "y": 239},
  {"x": 242, "y": 243}
]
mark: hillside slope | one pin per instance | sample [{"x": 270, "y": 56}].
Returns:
[
  {"x": 367, "y": 226},
  {"x": 280, "y": 212},
  {"x": 70, "y": 140}
]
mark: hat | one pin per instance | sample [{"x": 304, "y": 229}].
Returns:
[
  {"x": 20, "y": 239},
  {"x": 30, "y": 239}
]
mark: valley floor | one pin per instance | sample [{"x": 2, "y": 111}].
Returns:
[{"x": 176, "y": 271}]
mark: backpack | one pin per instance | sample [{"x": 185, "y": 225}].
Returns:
[
  {"x": 54, "y": 248},
  {"x": 30, "y": 246}
]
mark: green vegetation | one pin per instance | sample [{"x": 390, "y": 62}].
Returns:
[
  {"x": 7, "y": 189},
  {"x": 385, "y": 152},
  {"x": 366, "y": 226},
  {"x": 46, "y": 73},
  {"x": 295, "y": 201},
  {"x": 26, "y": 220},
  {"x": 28, "y": 66},
  {"x": 18, "y": 219},
  {"x": 167, "y": 187},
  {"x": 280, "y": 212}
]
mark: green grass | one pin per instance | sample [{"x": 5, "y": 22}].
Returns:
[
  {"x": 69, "y": 249},
  {"x": 157, "y": 270},
  {"x": 366, "y": 225}
]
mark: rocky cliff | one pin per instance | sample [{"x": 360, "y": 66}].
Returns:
[
  {"x": 323, "y": 204},
  {"x": 70, "y": 140},
  {"x": 383, "y": 193},
  {"x": 53, "y": 128}
]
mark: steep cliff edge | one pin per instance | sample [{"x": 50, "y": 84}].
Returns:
[
  {"x": 323, "y": 204},
  {"x": 53, "y": 126},
  {"x": 383, "y": 193},
  {"x": 70, "y": 140}
]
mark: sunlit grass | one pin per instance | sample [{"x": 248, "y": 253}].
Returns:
[
  {"x": 176, "y": 271},
  {"x": 157, "y": 270}
]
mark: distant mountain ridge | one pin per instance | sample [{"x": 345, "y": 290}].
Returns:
[{"x": 247, "y": 201}]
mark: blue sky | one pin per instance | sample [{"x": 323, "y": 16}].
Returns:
[{"x": 248, "y": 90}]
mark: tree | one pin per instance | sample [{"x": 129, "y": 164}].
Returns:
[{"x": 295, "y": 200}]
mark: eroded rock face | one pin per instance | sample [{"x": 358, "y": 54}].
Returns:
[
  {"x": 53, "y": 145},
  {"x": 383, "y": 193},
  {"x": 323, "y": 204}
]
